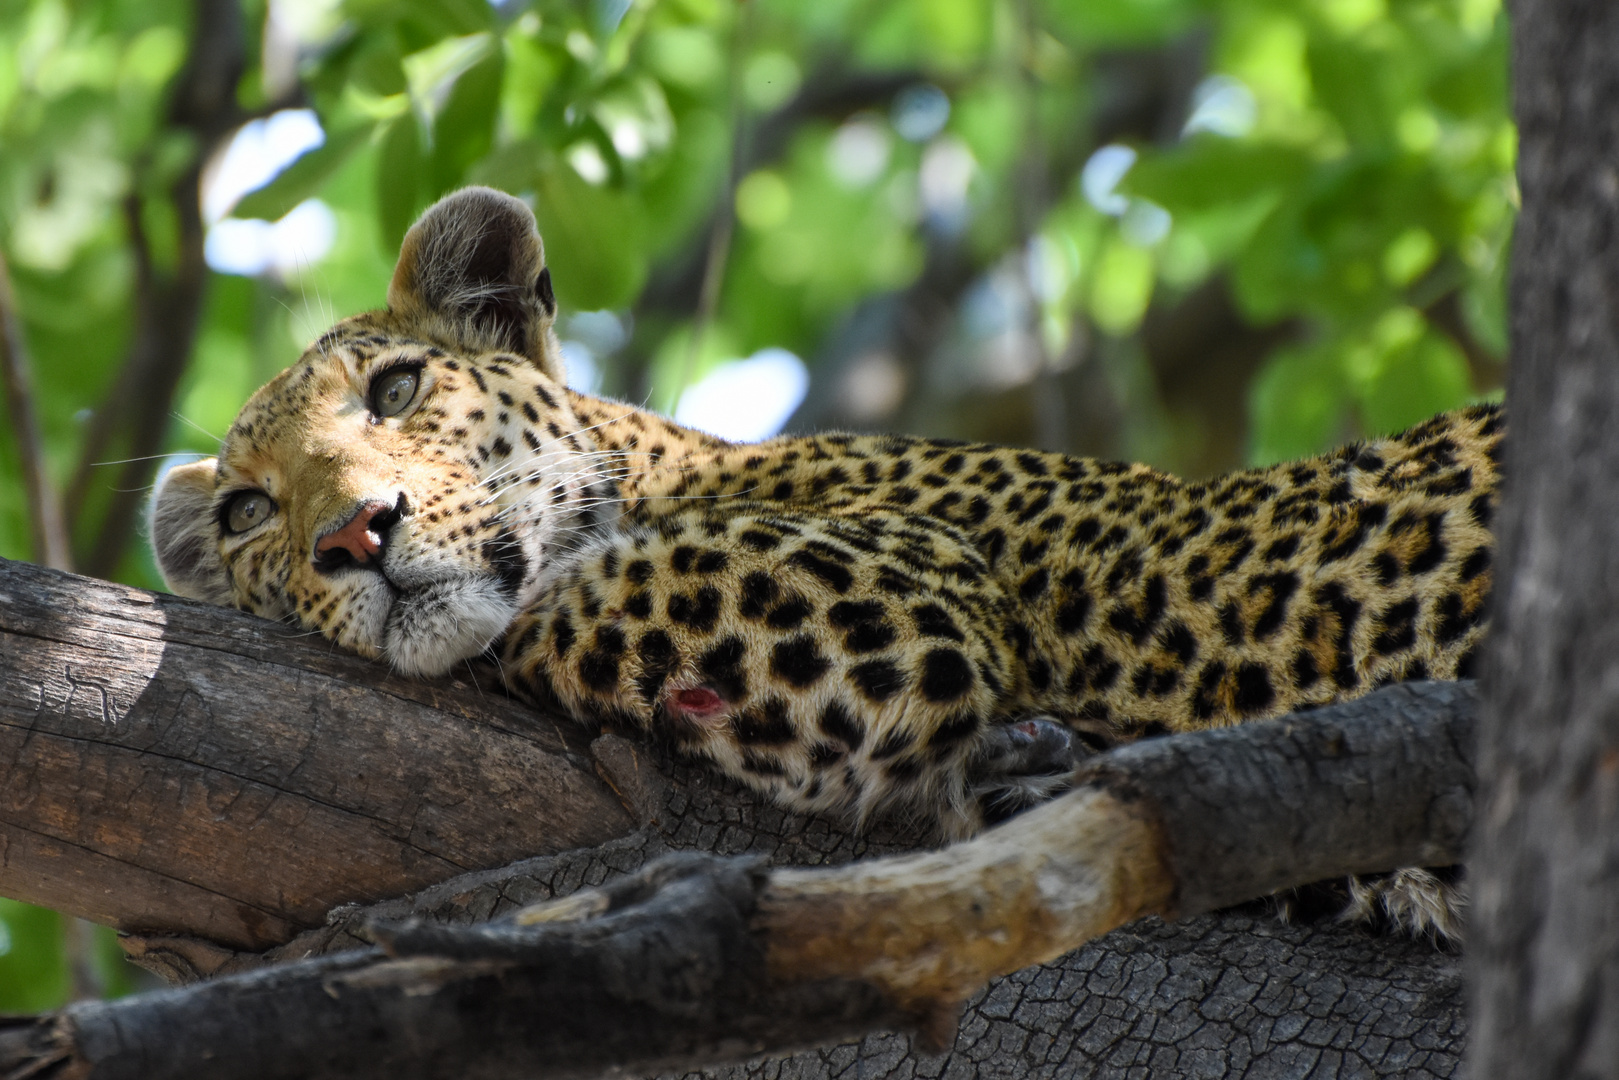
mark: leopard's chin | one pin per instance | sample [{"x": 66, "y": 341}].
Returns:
[{"x": 435, "y": 626}]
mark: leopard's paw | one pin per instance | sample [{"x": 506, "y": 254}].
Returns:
[{"x": 1019, "y": 764}]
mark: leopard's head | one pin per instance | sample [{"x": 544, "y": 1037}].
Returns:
[{"x": 404, "y": 485}]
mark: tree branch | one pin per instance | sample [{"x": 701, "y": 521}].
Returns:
[
  {"x": 168, "y": 302},
  {"x": 699, "y": 959},
  {"x": 46, "y": 529},
  {"x": 172, "y": 766}
]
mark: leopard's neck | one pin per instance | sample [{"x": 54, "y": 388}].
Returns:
[{"x": 650, "y": 450}]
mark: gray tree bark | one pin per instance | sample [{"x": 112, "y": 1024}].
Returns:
[
  {"x": 172, "y": 766},
  {"x": 217, "y": 782},
  {"x": 703, "y": 959},
  {"x": 1545, "y": 955}
]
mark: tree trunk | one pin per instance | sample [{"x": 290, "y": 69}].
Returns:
[{"x": 1545, "y": 960}]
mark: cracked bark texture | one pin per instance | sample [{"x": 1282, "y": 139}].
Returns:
[
  {"x": 1230, "y": 994},
  {"x": 1546, "y": 960}
]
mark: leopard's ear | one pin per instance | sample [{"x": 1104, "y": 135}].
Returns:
[
  {"x": 473, "y": 270},
  {"x": 185, "y": 534}
]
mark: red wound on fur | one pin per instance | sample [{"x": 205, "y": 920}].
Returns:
[{"x": 699, "y": 701}]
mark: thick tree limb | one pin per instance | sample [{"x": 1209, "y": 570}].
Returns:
[
  {"x": 171, "y": 766},
  {"x": 712, "y": 959}
]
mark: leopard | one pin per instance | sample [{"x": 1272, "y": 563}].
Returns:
[{"x": 852, "y": 624}]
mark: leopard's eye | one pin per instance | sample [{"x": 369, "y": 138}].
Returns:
[
  {"x": 248, "y": 510},
  {"x": 393, "y": 391}
]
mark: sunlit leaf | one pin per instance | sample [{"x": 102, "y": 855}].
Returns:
[
  {"x": 399, "y": 179},
  {"x": 1297, "y": 404},
  {"x": 592, "y": 239},
  {"x": 1122, "y": 287},
  {"x": 464, "y": 128},
  {"x": 1426, "y": 377},
  {"x": 685, "y": 55},
  {"x": 304, "y": 177}
]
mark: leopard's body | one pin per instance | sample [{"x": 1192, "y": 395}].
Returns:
[
  {"x": 844, "y": 622},
  {"x": 868, "y": 605}
]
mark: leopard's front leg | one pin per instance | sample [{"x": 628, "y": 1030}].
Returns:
[{"x": 835, "y": 662}]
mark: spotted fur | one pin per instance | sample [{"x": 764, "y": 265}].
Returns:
[{"x": 844, "y": 622}]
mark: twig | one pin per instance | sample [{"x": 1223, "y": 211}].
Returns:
[
  {"x": 46, "y": 528},
  {"x": 78, "y": 941}
]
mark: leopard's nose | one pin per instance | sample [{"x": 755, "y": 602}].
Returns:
[{"x": 361, "y": 540}]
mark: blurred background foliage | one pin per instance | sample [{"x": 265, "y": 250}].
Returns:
[{"x": 1202, "y": 233}]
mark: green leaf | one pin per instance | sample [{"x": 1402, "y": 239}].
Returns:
[
  {"x": 592, "y": 239},
  {"x": 1138, "y": 22},
  {"x": 1427, "y": 377},
  {"x": 1485, "y": 309},
  {"x": 33, "y": 964},
  {"x": 118, "y": 975},
  {"x": 375, "y": 66},
  {"x": 1121, "y": 287},
  {"x": 1477, "y": 84},
  {"x": 1347, "y": 80},
  {"x": 464, "y": 129},
  {"x": 399, "y": 180},
  {"x": 1297, "y": 406},
  {"x": 1214, "y": 172},
  {"x": 423, "y": 22},
  {"x": 304, "y": 177}
]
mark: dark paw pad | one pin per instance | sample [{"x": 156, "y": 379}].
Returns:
[
  {"x": 1020, "y": 764},
  {"x": 1036, "y": 746}
]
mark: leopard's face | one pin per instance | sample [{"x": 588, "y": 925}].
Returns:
[
  {"x": 404, "y": 487},
  {"x": 465, "y": 466}
]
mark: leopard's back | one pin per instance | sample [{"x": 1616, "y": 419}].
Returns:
[
  {"x": 1134, "y": 603},
  {"x": 1158, "y": 606}
]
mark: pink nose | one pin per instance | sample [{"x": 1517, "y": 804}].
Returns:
[{"x": 356, "y": 537}]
